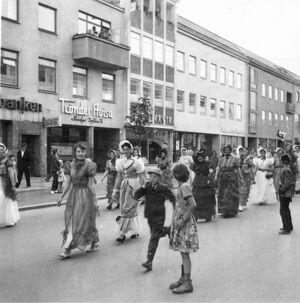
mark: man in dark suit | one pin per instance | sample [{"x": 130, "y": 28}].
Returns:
[{"x": 23, "y": 164}]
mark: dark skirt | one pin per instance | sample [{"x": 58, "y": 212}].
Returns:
[
  {"x": 206, "y": 202},
  {"x": 245, "y": 189},
  {"x": 111, "y": 178},
  {"x": 228, "y": 194}
]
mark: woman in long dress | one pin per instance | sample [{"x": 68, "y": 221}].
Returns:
[
  {"x": 203, "y": 188},
  {"x": 263, "y": 192},
  {"x": 228, "y": 174},
  {"x": 111, "y": 174},
  {"x": 164, "y": 164},
  {"x": 246, "y": 165},
  {"x": 9, "y": 213},
  {"x": 81, "y": 207},
  {"x": 130, "y": 177},
  {"x": 278, "y": 166}
]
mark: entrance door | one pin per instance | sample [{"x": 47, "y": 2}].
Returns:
[{"x": 33, "y": 145}]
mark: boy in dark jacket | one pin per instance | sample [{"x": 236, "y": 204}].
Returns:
[
  {"x": 285, "y": 195},
  {"x": 155, "y": 195}
]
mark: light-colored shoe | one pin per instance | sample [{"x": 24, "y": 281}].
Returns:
[
  {"x": 52, "y": 192},
  {"x": 65, "y": 255}
]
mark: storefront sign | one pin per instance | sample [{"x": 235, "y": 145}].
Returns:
[
  {"x": 81, "y": 113},
  {"x": 281, "y": 134},
  {"x": 52, "y": 122},
  {"x": 169, "y": 119},
  {"x": 159, "y": 115},
  {"x": 22, "y": 105}
]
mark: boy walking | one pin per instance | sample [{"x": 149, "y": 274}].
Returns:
[
  {"x": 155, "y": 195},
  {"x": 285, "y": 195}
]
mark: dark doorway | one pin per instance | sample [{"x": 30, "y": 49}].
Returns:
[{"x": 33, "y": 145}]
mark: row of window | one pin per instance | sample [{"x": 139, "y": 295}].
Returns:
[
  {"x": 273, "y": 119},
  {"x": 224, "y": 75},
  {"x": 226, "y": 109},
  {"x": 148, "y": 47},
  {"x": 47, "y": 76},
  {"x": 48, "y": 19}
]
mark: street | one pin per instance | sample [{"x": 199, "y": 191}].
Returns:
[{"x": 240, "y": 259}]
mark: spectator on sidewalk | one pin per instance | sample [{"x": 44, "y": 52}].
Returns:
[{"x": 23, "y": 164}]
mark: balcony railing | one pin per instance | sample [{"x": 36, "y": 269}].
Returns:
[
  {"x": 90, "y": 48},
  {"x": 290, "y": 108}
]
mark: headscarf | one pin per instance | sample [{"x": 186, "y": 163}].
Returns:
[
  {"x": 182, "y": 149},
  {"x": 125, "y": 142},
  {"x": 3, "y": 145},
  {"x": 238, "y": 150}
]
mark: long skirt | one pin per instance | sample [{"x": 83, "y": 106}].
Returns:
[
  {"x": 245, "y": 189},
  {"x": 263, "y": 190},
  {"x": 111, "y": 178},
  {"x": 206, "y": 202},
  {"x": 228, "y": 194},
  {"x": 9, "y": 213},
  {"x": 80, "y": 218}
]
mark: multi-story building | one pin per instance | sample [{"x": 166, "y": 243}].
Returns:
[
  {"x": 152, "y": 37},
  {"x": 63, "y": 76},
  {"x": 212, "y": 90},
  {"x": 296, "y": 126}
]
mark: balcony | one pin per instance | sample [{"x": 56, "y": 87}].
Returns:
[
  {"x": 290, "y": 108},
  {"x": 90, "y": 49}
]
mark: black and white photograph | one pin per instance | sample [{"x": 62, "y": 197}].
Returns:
[{"x": 150, "y": 151}]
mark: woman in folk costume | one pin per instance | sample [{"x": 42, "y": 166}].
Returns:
[
  {"x": 187, "y": 160},
  {"x": 263, "y": 191},
  {"x": 9, "y": 213},
  {"x": 246, "y": 164},
  {"x": 130, "y": 177},
  {"x": 203, "y": 188},
  {"x": 228, "y": 174},
  {"x": 278, "y": 166}
]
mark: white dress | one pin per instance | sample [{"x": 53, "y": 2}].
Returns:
[
  {"x": 263, "y": 191},
  {"x": 187, "y": 161}
]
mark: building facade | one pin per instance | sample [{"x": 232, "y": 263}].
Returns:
[
  {"x": 152, "y": 74},
  {"x": 212, "y": 91},
  {"x": 63, "y": 76}
]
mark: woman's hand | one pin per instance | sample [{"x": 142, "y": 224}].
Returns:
[{"x": 59, "y": 201}]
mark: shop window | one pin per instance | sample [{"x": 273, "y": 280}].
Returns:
[
  {"x": 9, "y": 68},
  {"x": 108, "y": 87},
  {"x": 47, "y": 18},
  {"x": 231, "y": 111},
  {"x": 79, "y": 82},
  {"x": 231, "y": 78},
  {"x": 222, "y": 109},
  {"x": 203, "y": 69},
  {"x": 192, "y": 103},
  {"x": 223, "y": 75},
  {"x": 135, "y": 43},
  {"x": 169, "y": 97},
  {"x": 239, "y": 112},
  {"x": 213, "y": 72},
  {"x": 192, "y": 65},
  {"x": 203, "y": 102},
  {"x": 239, "y": 78},
  {"x": 213, "y": 107},
  {"x": 147, "y": 90},
  {"x": 88, "y": 24},
  {"x": 180, "y": 100},
  {"x": 158, "y": 92},
  {"x": 169, "y": 55},
  {"x": 180, "y": 61},
  {"x": 47, "y": 75},
  {"x": 10, "y": 9}
]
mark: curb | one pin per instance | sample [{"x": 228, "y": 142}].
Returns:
[{"x": 48, "y": 204}]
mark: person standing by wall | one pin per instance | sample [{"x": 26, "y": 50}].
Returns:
[{"x": 23, "y": 164}]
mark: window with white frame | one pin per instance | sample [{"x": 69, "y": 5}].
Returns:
[
  {"x": 192, "y": 65},
  {"x": 135, "y": 43},
  {"x": 281, "y": 96},
  {"x": 223, "y": 75},
  {"x": 47, "y": 18},
  {"x": 239, "y": 112},
  {"x": 203, "y": 69},
  {"x": 9, "y": 68},
  {"x": 213, "y": 72},
  {"x": 79, "y": 82},
  {"x": 270, "y": 118},
  {"x": 263, "y": 117},
  {"x": 231, "y": 78},
  {"x": 253, "y": 78},
  {"x": 231, "y": 111},
  {"x": 270, "y": 92},
  {"x": 180, "y": 61},
  {"x": 203, "y": 105},
  {"x": 169, "y": 55},
  {"x": 135, "y": 87},
  {"x": 47, "y": 75},
  {"x": 192, "y": 103},
  {"x": 147, "y": 90},
  {"x": 10, "y": 9},
  {"x": 108, "y": 87},
  {"x": 253, "y": 100},
  {"x": 222, "y": 105},
  {"x": 276, "y": 119},
  {"x": 213, "y": 107},
  {"x": 169, "y": 101},
  {"x": 158, "y": 94},
  {"x": 263, "y": 89},
  {"x": 287, "y": 121},
  {"x": 239, "y": 81},
  {"x": 159, "y": 52},
  {"x": 281, "y": 120},
  {"x": 148, "y": 48},
  {"x": 297, "y": 97},
  {"x": 276, "y": 94},
  {"x": 180, "y": 100}
]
